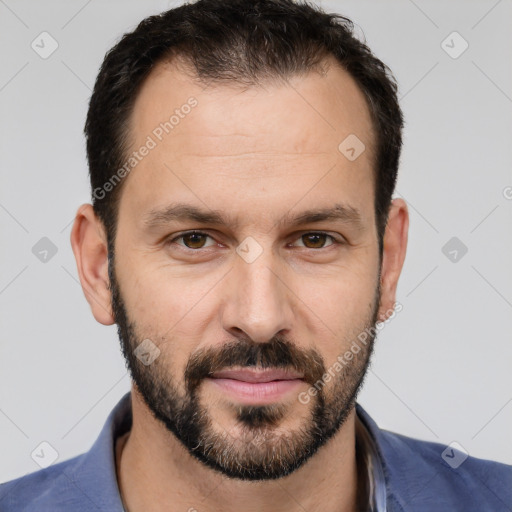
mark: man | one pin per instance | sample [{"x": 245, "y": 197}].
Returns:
[{"x": 243, "y": 156}]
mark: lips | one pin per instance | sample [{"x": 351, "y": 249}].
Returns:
[
  {"x": 255, "y": 376},
  {"x": 256, "y": 386}
]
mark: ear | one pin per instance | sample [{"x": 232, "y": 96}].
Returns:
[
  {"x": 395, "y": 246},
  {"x": 89, "y": 243}
]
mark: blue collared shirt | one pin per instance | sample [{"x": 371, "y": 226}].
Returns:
[
  {"x": 376, "y": 483},
  {"x": 406, "y": 475}
]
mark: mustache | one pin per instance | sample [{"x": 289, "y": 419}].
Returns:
[{"x": 276, "y": 353}]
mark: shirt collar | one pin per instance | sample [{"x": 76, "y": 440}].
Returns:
[
  {"x": 97, "y": 467},
  {"x": 393, "y": 463},
  {"x": 368, "y": 455}
]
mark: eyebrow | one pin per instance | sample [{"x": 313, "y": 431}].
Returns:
[{"x": 181, "y": 212}]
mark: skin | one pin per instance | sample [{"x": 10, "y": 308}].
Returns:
[{"x": 256, "y": 154}]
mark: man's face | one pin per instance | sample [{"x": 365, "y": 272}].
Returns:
[{"x": 259, "y": 291}]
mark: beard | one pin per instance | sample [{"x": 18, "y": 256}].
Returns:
[{"x": 259, "y": 451}]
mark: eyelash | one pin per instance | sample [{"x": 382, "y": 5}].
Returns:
[{"x": 173, "y": 240}]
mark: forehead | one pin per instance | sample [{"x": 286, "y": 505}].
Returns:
[
  {"x": 276, "y": 140},
  {"x": 329, "y": 103}
]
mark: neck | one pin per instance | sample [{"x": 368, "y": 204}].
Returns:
[{"x": 155, "y": 472}]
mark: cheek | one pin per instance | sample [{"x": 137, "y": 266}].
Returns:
[
  {"x": 166, "y": 306},
  {"x": 344, "y": 292},
  {"x": 165, "y": 313},
  {"x": 338, "y": 310}
]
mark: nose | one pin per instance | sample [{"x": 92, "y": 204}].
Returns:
[{"x": 258, "y": 299}]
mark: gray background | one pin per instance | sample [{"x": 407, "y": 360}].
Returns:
[{"x": 441, "y": 370}]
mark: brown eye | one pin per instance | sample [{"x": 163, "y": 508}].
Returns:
[
  {"x": 192, "y": 240},
  {"x": 316, "y": 240}
]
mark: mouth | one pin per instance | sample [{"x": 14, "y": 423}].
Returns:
[
  {"x": 256, "y": 387},
  {"x": 254, "y": 375}
]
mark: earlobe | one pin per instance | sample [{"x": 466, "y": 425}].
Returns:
[
  {"x": 89, "y": 243},
  {"x": 395, "y": 247}
]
